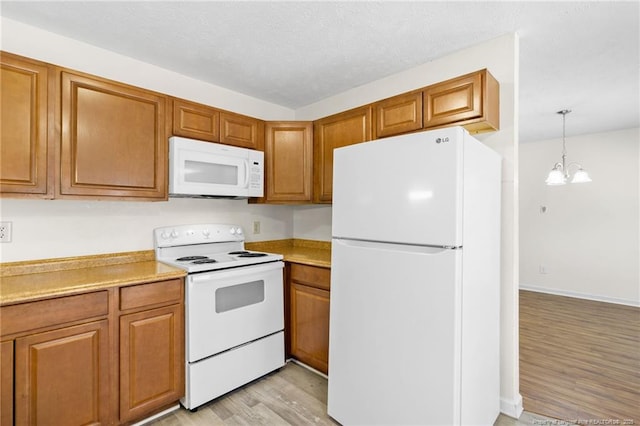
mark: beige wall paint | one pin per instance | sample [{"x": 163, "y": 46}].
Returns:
[{"x": 587, "y": 240}]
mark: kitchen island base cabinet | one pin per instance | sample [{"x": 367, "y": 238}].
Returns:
[
  {"x": 62, "y": 376},
  {"x": 309, "y": 315}
]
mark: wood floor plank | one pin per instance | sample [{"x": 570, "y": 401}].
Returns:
[{"x": 579, "y": 359}]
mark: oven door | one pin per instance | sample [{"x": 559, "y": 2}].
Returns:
[{"x": 231, "y": 307}]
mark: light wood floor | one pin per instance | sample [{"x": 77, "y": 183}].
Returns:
[
  {"x": 579, "y": 359},
  {"x": 292, "y": 396}
]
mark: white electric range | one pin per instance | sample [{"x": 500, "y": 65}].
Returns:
[{"x": 234, "y": 308}]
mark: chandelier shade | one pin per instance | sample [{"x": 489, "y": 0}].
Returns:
[{"x": 559, "y": 174}]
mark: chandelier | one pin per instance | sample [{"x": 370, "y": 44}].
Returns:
[{"x": 559, "y": 175}]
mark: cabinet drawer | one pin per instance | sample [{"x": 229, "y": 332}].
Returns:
[
  {"x": 311, "y": 275},
  {"x": 45, "y": 313},
  {"x": 163, "y": 292}
]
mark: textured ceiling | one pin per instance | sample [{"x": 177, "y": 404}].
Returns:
[{"x": 578, "y": 55}]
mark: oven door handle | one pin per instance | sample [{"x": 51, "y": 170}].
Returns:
[{"x": 236, "y": 272}]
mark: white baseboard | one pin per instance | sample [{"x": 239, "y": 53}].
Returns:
[
  {"x": 577, "y": 295},
  {"x": 512, "y": 407}
]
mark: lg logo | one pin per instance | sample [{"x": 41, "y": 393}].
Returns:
[{"x": 442, "y": 140}]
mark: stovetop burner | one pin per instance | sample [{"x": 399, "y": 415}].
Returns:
[
  {"x": 201, "y": 261},
  {"x": 252, "y": 255},
  {"x": 188, "y": 258},
  {"x": 239, "y": 252}
]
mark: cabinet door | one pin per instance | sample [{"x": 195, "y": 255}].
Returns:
[
  {"x": 192, "y": 120},
  {"x": 240, "y": 130},
  {"x": 62, "y": 376},
  {"x": 332, "y": 132},
  {"x": 310, "y": 325},
  {"x": 6, "y": 383},
  {"x": 24, "y": 127},
  {"x": 113, "y": 140},
  {"x": 397, "y": 115},
  {"x": 288, "y": 158},
  {"x": 151, "y": 361},
  {"x": 471, "y": 101}
]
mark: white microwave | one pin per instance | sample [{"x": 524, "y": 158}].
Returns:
[{"x": 213, "y": 170}]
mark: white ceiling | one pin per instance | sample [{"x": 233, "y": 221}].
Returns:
[{"x": 578, "y": 55}]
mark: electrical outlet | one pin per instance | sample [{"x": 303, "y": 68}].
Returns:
[
  {"x": 5, "y": 232},
  {"x": 256, "y": 227}
]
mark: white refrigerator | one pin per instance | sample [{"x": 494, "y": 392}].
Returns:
[{"x": 415, "y": 281}]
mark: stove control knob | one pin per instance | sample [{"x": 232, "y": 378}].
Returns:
[
  {"x": 206, "y": 233},
  {"x": 232, "y": 231},
  {"x": 174, "y": 234},
  {"x": 239, "y": 231},
  {"x": 164, "y": 235}
]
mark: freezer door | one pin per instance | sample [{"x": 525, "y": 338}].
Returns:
[
  {"x": 394, "y": 351},
  {"x": 405, "y": 189}
]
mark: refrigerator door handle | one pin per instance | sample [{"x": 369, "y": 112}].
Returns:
[{"x": 411, "y": 248}]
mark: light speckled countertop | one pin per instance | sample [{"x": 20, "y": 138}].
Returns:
[
  {"x": 33, "y": 280},
  {"x": 41, "y": 279},
  {"x": 307, "y": 252}
]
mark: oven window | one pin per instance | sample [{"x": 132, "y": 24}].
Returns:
[
  {"x": 201, "y": 172},
  {"x": 238, "y": 296}
]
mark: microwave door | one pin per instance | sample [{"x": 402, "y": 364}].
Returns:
[{"x": 204, "y": 174}]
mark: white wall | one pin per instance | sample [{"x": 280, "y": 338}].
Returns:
[
  {"x": 587, "y": 241},
  {"x": 62, "y": 228},
  {"x": 500, "y": 56},
  {"x": 312, "y": 222}
]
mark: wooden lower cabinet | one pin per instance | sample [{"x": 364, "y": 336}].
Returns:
[
  {"x": 107, "y": 357},
  {"x": 151, "y": 367},
  {"x": 6, "y": 383},
  {"x": 62, "y": 376},
  {"x": 309, "y": 315}
]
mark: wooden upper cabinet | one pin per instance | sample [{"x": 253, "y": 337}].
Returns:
[
  {"x": 114, "y": 141},
  {"x": 25, "y": 127},
  {"x": 397, "y": 115},
  {"x": 346, "y": 128},
  {"x": 289, "y": 161},
  {"x": 192, "y": 120},
  {"x": 471, "y": 101},
  {"x": 240, "y": 130}
]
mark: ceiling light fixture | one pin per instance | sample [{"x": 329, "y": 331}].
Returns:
[{"x": 560, "y": 172}]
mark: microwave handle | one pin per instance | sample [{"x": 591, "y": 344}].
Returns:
[{"x": 245, "y": 184}]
